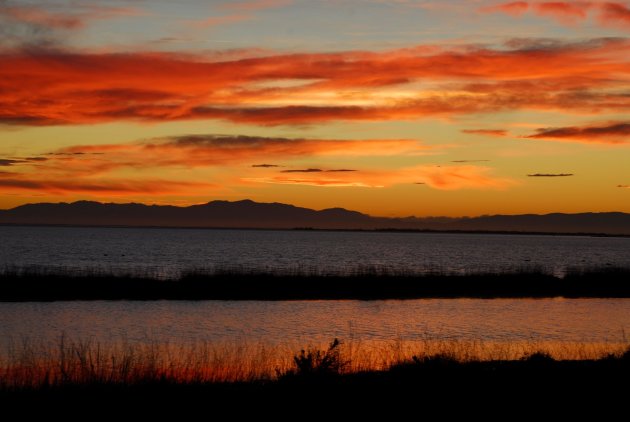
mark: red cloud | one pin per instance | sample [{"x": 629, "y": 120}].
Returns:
[
  {"x": 48, "y": 88},
  {"x": 607, "y": 13},
  {"x": 616, "y": 14},
  {"x": 566, "y": 12}
]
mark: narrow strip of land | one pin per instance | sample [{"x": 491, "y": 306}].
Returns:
[{"x": 18, "y": 286}]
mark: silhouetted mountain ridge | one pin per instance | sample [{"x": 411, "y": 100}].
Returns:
[{"x": 250, "y": 214}]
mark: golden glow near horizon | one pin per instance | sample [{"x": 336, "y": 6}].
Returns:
[{"x": 490, "y": 107}]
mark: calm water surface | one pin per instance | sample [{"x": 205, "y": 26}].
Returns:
[
  {"x": 168, "y": 252},
  {"x": 588, "y": 320}
]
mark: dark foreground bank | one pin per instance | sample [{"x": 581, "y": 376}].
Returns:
[
  {"x": 532, "y": 386},
  {"x": 53, "y": 285}
]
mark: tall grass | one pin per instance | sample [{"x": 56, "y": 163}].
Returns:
[
  {"x": 366, "y": 283},
  {"x": 31, "y": 365}
]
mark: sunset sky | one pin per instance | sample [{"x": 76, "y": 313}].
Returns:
[{"x": 393, "y": 108}]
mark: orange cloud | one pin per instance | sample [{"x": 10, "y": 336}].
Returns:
[
  {"x": 460, "y": 177},
  {"x": 54, "y": 88},
  {"x": 96, "y": 169},
  {"x": 76, "y": 169},
  {"x": 455, "y": 177},
  {"x": 613, "y": 133},
  {"x": 486, "y": 132},
  {"x": 515, "y": 8},
  {"x": 215, "y": 150}
]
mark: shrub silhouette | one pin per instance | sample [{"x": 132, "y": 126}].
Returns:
[{"x": 315, "y": 362}]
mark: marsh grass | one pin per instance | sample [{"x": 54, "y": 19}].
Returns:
[
  {"x": 35, "y": 366},
  {"x": 364, "y": 283}
]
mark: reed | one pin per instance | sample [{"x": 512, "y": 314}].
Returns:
[
  {"x": 366, "y": 283},
  {"x": 28, "y": 365}
]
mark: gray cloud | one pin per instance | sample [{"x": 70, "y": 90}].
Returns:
[
  {"x": 6, "y": 162},
  {"x": 302, "y": 171},
  {"x": 311, "y": 170},
  {"x": 550, "y": 175}
]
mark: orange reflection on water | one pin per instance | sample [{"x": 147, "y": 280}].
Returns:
[{"x": 27, "y": 364}]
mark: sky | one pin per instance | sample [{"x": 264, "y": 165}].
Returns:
[{"x": 392, "y": 108}]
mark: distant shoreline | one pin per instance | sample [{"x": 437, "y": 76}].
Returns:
[
  {"x": 315, "y": 229},
  {"x": 277, "y": 216}
]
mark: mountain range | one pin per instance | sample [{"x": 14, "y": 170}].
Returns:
[{"x": 250, "y": 214}]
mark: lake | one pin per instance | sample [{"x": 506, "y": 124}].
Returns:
[
  {"x": 168, "y": 252},
  {"x": 304, "y": 322}
]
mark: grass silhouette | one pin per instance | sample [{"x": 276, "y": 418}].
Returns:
[
  {"x": 47, "y": 284},
  {"x": 27, "y": 365},
  {"x": 326, "y": 380}
]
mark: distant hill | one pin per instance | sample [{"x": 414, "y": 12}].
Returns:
[{"x": 249, "y": 214}]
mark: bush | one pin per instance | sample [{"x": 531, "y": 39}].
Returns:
[{"x": 315, "y": 362}]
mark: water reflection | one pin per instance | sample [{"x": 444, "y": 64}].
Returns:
[{"x": 303, "y": 322}]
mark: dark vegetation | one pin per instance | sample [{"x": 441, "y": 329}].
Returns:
[
  {"x": 317, "y": 384},
  {"x": 366, "y": 284}
]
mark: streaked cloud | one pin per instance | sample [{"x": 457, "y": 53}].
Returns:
[
  {"x": 436, "y": 177},
  {"x": 615, "y": 133},
  {"x": 216, "y": 150},
  {"x": 241, "y": 12},
  {"x": 77, "y": 167},
  {"x": 6, "y": 162},
  {"x": 253, "y": 5},
  {"x": 57, "y": 88},
  {"x": 514, "y": 8},
  {"x": 38, "y": 25},
  {"x": 606, "y": 13},
  {"x": 315, "y": 170},
  {"x": 550, "y": 175},
  {"x": 114, "y": 187},
  {"x": 302, "y": 171},
  {"x": 486, "y": 132}
]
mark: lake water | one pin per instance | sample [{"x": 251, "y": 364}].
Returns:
[
  {"x": 168, "y": 252},
  {"x": 306, "y": 322}
]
